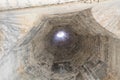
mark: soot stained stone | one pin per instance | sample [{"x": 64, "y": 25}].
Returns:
[
  {"x": 61, "y": 67},
  {"x": 62, "y": 42}
]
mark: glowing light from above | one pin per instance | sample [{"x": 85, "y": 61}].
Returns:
[{"x": 61, "y": 36}]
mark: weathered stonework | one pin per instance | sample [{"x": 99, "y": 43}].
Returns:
[{"x": 25, "y": 35}]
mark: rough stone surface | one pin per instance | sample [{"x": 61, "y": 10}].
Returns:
[
  {"x": 25, "y": 34},
  {"x": 20, "y": 4}
]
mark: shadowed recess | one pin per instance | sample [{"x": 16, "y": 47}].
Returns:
[
  {"x": 63, "y": 44},
  {"x": 62, "y": 41}
]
